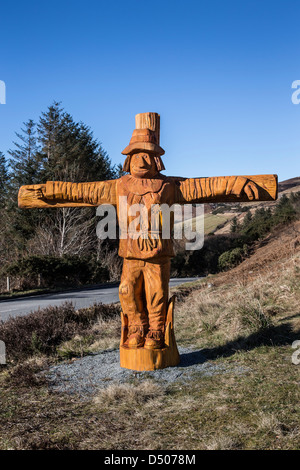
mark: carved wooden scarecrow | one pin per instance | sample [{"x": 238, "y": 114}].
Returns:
[{"x": 147, "y": 340}]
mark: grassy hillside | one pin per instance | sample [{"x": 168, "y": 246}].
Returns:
[
  {"x": 211, "y": 221},
  {"x": 245, "y": 320},
  {"x": 285, "y": 187}
]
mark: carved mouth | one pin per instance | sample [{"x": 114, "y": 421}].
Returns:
[{"x": 140, "y": 170}]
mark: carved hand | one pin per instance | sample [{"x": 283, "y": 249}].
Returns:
[
  {"x": 251, "y": 190},
  {"x": 36, "y": 191}
]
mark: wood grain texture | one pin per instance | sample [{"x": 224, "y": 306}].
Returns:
[
  {"x": 146, "y": 135},
  {"x": 66, "y": 194},
  {"x": 149, "y": 121},
  {"x": 267, "y": 182},
  {"x": 189, "y": 191},
  {"x": 216, "y": 189},
  {"x": 141, "y": 359}
]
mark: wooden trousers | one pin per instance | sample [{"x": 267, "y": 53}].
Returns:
[{"x": 144, "y": 292}]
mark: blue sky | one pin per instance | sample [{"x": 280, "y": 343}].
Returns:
[{"x": 219, "y": 72}]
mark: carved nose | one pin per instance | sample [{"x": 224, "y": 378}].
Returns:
[{"x": 144, "y": 163}]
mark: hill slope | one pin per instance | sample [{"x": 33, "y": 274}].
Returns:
[{"x": 236, "y": 210}]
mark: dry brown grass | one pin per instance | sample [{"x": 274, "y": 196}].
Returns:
[
  {"x": 101, "y": 335},
  {"x": 128, "y": 395},
  {"x": 225, "y": 312}
]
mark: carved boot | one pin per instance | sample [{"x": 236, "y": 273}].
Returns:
[
  {"x": 136, "y": 337},
  {"x": 155, "y": 339}
]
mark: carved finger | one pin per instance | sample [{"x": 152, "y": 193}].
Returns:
[
  {"x": 249, "y": 192},
  {"x": 254, "y": 189}
]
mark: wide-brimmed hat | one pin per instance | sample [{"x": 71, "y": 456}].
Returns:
[{"x": 143, "y": 139}]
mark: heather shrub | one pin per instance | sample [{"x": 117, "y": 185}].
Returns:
[{"x": 41, "y": 332}]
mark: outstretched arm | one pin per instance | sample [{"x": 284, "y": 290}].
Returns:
[
  {"x": 61, "y": 194},
  {"x": 227, "y": 189}
]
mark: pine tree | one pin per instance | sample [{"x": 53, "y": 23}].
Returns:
[
  {"x": 24, "y": 161},
  {"x": 284, "y": 211},
  {"x": 4, "y": 179},
  {"x": 234, "y": 225},
  {"x": 25, "y": 169},
  {"x": 69, "y": 150},
  {"x": 49, "y": 128},
  {"x": 57, "y": 148},
  {"x": 247, "y": 220}
]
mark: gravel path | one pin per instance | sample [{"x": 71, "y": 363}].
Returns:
[{"x": 87, "y": 375}]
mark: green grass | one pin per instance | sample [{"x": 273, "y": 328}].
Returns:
[
  {"x": 211, "y": 222},
  {"x": 11, "y": 295}
]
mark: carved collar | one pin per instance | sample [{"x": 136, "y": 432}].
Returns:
[{"x": 141, "y": 186}]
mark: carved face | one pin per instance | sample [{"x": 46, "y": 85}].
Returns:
[{"x": 142, "y": 165}]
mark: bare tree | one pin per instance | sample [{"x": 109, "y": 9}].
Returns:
[
  {"x": 109, "y": 258},
  {"x": 66, "y": 231}
]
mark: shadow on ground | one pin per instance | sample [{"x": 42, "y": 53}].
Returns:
[{"x": 280, "y": 335}]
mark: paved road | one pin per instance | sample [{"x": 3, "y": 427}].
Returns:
[{"x": 80, "y": 298}]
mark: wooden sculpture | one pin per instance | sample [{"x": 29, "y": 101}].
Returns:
[{"x": 147, "y": 340}]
